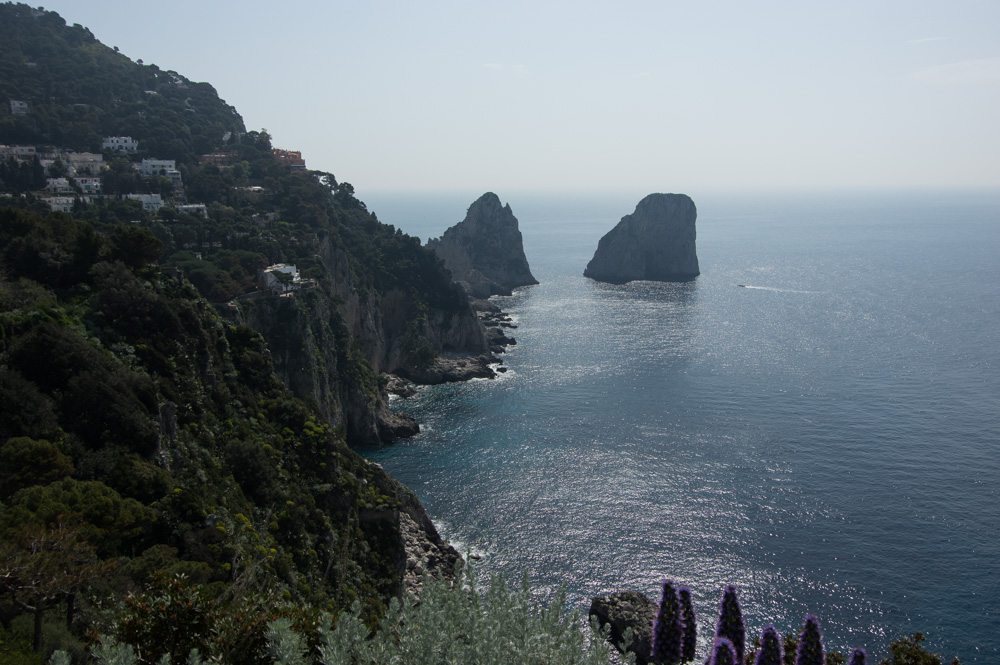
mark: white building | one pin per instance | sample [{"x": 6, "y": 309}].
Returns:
[
  {"x": 58, "y": 185},
  {"x": 18, "y": 108},
  {"x": 157, "y": 167},
  {"x": 270, "y": 279},
  {"x": 81, "y": 163},
  {"x": 194, "y": 209},
  {"x": 120, "y": 144},
  {"x": 151, "y": 202},
  {"x": 22, "y": 153},
  {"x": 89, "y": 184},
  {"x": 65, "y": 203}
]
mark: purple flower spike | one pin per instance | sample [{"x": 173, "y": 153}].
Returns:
[
  {"x": 689, "y": 626},
  {"x": 770, "y": 648},
  {"x": 667, "y": 628},
  {"x": 723, "y": 653},
  {"x": 859, "y": 657},
  {"x": 810, "y": 643},
  {"x": 730, "y": 624}
]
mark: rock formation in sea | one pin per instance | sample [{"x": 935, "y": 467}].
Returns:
[
  {"x": 656, "y": 242},
  {"x": 484, "y": 252},
  {"x": 628, "y": 609}
]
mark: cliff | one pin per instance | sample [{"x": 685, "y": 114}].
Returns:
[
  {"x": 484, "y": 252},
  {"x": 656, "y": 242},
  {"x": 329, "y": 345}
]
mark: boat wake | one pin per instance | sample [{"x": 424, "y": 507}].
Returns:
[{"x": 773, "y": 288}]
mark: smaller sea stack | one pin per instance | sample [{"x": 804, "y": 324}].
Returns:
[{"x": 655, "y": 243}]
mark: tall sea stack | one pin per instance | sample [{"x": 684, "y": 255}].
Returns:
[
  {"x": 656, "y": 243},
  {"x": 484, "y": 252}
]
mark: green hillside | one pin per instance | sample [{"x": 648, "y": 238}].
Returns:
[
  {"x": 79, "y": 91},
  {"x": 147, "y": 444}
]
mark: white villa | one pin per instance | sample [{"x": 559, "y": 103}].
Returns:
[
  {"x": 151, "y": 202},
  {"x": 194, "y": 209},
  {"x": 270, "y": 279},
  {"x": 120, "y": 143},
  {"x": 165, "y": 167}
]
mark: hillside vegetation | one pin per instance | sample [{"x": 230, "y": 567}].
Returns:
[{"x": 146, "y": 439}]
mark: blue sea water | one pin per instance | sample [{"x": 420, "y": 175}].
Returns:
[{"x": 826, "y": 437}]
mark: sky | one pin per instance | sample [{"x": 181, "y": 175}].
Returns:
[{"x": 595, "y": 96}]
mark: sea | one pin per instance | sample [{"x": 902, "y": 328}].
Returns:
[{"x": 815, "y": 418}]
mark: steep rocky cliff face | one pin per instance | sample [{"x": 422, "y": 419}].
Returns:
[
  {"x": 330, "y": 345},
  {"x": 389, "y": 326},
  {"x": 656, "y": 242},
  {"x": 484, "y": 252}
]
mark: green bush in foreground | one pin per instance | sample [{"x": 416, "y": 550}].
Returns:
[
  {"x": 461, "y": 623},
  {"x": 451, "y": 623}
]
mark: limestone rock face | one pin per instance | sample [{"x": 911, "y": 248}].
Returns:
[
  {"x": 656, "y": 242},
  {"x": 484, "y": 252}
]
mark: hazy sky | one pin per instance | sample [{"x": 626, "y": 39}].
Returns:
[{"x": 644, "y": 96}]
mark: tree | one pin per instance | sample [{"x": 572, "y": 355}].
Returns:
[
  {"x": 43, "y": 565},
  {"x": 910, "y": 651},
  {"x": 135, "y": 246},
  {"x": 25, "y": 462}
]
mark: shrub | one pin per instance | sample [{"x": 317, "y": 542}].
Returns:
[
  {"x": 770, "y": 648},
  {"x": 730, "y": 624},
  {"x": 723, "y": 653},
  {"x": 810, "y": 650},
  {"x": 455, "y": 623},
  {"x": 667, "y": 633},
  {"x": 689, "y": 641}
]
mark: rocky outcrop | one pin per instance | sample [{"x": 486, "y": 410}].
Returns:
[
  {"x": 426, "y": 552},
  {"x": 484, "y": 252},
  {"x": 656, "y": 242},
  {"x": 628, "y": 609},
  {"x": 313, "y": 336},
  {"x": 422, "y": 551},
  {"x": 448, "y": 368}
]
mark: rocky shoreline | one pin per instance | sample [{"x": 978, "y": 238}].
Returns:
[
  {"x": 451, "y": 367},
  {"x": 426, "y": 551}
]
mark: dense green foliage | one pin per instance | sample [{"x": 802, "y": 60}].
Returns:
[
  {"x": 161, "y": 431},
  {"x": 75, "y": 101}
]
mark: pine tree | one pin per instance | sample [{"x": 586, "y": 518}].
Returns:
[
  {"x": 667, "y": 628},
  {"x": 810, "y": 650},
  {"x": 689, "y": 625},
  {"x": 859, "y": 657},
  {"x": 770, "y": 648},
  {"x": 730, "y": 624}
]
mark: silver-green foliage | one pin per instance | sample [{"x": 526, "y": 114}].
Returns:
[
  {"x": 459, "y": 624},
  {"x": 286, "y": 646},
  {"x": 114, "y": 653},
  {"x": 60, "y": 658}
]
